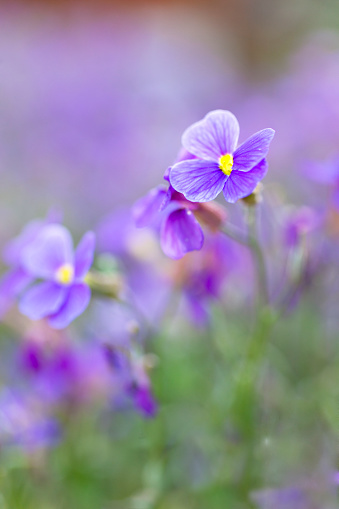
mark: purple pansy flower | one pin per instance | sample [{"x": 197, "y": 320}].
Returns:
[
  {"x": 219, "y": 165},
  {"x": 13, "y": 282},
  {"x": 169, "y": 210},
  {"x": 176, "y": 217},
  {"x": 63, "y": 294}
]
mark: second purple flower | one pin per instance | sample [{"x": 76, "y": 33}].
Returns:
[{"x": 63, "y": 294}]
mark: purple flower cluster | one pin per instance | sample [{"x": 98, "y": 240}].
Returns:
[
  {"x": 64, "y": 294},
  {"x": 208, "y": 164},
  {"x": 49, "y": 378},
  {"x": 180, "y": 231}
]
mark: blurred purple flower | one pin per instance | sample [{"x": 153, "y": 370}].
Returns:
[
  {"x": 132, "y": 376},
  {"x": 137, "y": 250},
  {"x": 63, "y": 295},
  {"x": 201, "y": 276},
  {"x": 65, "y": 372},
  {"x": 285, "y": 498},
  {"x": 326, "y": 172},
  {"x": 80, "y": 374},
  {"x": 24, "y": 421},
  {"x": 17, "y": 279},
  {"x": 220, "y": 166},
  {"x": 299, "y": 223}
]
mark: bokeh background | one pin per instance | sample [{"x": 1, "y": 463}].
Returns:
[{"x": 94, "y": 97}]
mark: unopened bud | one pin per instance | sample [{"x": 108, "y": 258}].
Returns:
[
  {"x": 255, "y": 197},
  {"x": 211, "y": 214}
]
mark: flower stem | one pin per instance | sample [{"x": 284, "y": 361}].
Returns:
[
  {"x": 258, "y": 257},
  {"x": 245, "y": 407},
  {"x": 252, "y": 243}
]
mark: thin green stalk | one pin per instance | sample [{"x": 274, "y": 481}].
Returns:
[
  {"x": 258, "y": 256},
  {"x": 244, "y": 411}
]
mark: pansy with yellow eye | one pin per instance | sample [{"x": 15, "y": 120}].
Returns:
[
  {"x": 219, "y": 165},
  {"x": 63, "y": 293}
]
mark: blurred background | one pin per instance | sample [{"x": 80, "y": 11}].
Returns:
[{"x": 94, "y": 97}]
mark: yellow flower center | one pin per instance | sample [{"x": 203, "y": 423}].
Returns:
[
  {"x": 65, "y": 274},
  {"x": 226, "y": 164}
]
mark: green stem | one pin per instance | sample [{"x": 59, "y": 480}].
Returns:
[
  {"x": 252, "y": 243},
  {"x": 244, "y": 410},
  {"x": 245, "y": 404},
  {"x": 258, "y": 257}
]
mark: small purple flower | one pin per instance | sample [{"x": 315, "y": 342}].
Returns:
[
  {"x": 219, "y": 165},
  {"x": 180, "y": 232},
  {"x": 63, "y": 294},
  {"x": 13, "y": 282}
]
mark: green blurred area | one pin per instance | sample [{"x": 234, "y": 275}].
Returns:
[{"x": 190, "y": 455}]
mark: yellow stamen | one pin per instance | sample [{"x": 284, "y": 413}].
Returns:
[
  {"x": 226, "y": 164},
  {"x": 65, "y": 274}
]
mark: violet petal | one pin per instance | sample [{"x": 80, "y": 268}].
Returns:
[
  {"x": 197, "y": 180},
  {"x": 11, "y": 285},
  {"x": 42, "y": 300},
  {"x": 253, "y": 150},
  {"x": 51, "y": 249},
  {"x": 76, "y": 302},
  {"x": 241, "y": 184},
  {"x": 181, "y": 233},
  {"x": 146, "y": 209},
  {"x": 84, "y": 255},
  {"x": 217, "y": 134}
]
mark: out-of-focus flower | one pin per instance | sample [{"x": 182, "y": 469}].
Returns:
[
  {"x": 24, "y": 422},
  {"x": 131, "y": 375},
  {"x": 137, "y": 252},
  {"x": 63, "y": 295},
  {"x": 65, "y": 373},
  {"x": 285, "y": 498},
  {"x": 309, "y": 493},
  {"x": 220, "y": 166},
  {"x": 17, "y": 278},
  {"x": 49, "y": 378},
  {"x": 298, "y": 223},
  {"x": 327, "y": 173},
  {"x": 201, "y": 276}
]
